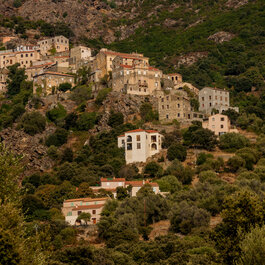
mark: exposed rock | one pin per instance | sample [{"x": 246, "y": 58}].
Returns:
[
  {"x": 34, "y": 154},
  {"x": 236, "y": 3},
  {"x": 128, "y": 105},
  {"x": 221, "y": 36},
  {"x": 170, "y": 22},
  {"x": 190, "y": 58}
]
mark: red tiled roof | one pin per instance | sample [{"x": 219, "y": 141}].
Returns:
[
  {"x": 141, "y": 130},
  {"x": 152, "y": 68},
  {"x": 124, "y": 55},
  {"x": 99, "y": 188},
  {"x": 87, "y": 199},
  {"x": 112, "y": 179},
  {"x": 126, "y": 66},
  {"x": 137, "y": 183},
  {"x": 173, "y": 74},
  {"x": 121, "y": 135},
  {"x": 55, "y": 73},
  {"x": 87, "y": 207}
]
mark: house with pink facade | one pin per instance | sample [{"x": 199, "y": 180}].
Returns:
[{"x": 219, "y": 124}]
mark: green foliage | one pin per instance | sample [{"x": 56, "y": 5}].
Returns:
[
  {"x": 202, "y": 157},
  {"x": 33, "y": 123},
  {"x": 115, "y": 119},
  {"x": 153, "y": 170},
  {"x": 176, "y": 151},
  {"x": 58, "y": 138},
  {"x": 17, "y": 3},
  {"x": 86, "y": 121},
  {"x": 169, "y": 184},
  {"x": 252, "y": 247},
  {"x": 81, "y": 93},
  {"x": 84, "y": 217},
  {"x": 233, "y": 141},
  {"x": 187, "y": 217},
  {"x": 236, "y": 162},
  {"x": 57, "y": 113},
  {"x": 147, "y": 113},
  {"x": 64, "y": 87},
  {"x": 102, "y": 94},
  {"x": 16, "y": 77}
]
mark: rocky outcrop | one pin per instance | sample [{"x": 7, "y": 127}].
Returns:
[
  {"x": 235, "y": 3},
  {"x": 128, "y": 105},
  {"x": 190, "y": 58},
  {"x": 221, "y": 36},
  {"x": 34, "y": 154}
]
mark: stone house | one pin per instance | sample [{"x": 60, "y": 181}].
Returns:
[
  {"x": 60, "y": 43},
  {"x": 219, "y": 124},
  {"x": 24, "y": 58},
  {"x": 103, "y": 61},
  {"x": 46, "y": 82},
  {"x": 74, "y": 207},
  {"x": 214, "y": 98},
  {"x": 38, "y": 68},
  {"x": 175, "y": 105},
  {"x": 140, "y": 144},
  {"x": 137, "y": 79}
]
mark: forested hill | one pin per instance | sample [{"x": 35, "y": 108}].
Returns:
[{"x": 211, "y": 42}]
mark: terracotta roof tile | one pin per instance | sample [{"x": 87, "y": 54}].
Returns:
[
  {"x": 87, "y": 199},
  {"x": 87, "y": 207},
  {"x": 112, "y": 179}
]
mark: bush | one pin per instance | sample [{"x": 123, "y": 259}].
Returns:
[
  {"x": 56, "y": 113},
  {"x": 176, "y": 151},
  {"x": 187, "y": 217},
  {"x": 67, "y": 155},
  {"x": 86, "y": 121},
  {"x": 81, "y": 94},
  {"x": 169, "y": 184},
  {"x": 102, "y": 94},
  {"x": 236, "y": 162},
  {"x": 33, "y": 123},
  {"x": 64, "y": 87},
  {"x": 147, "y": 113},
  {"x": 153, "y": 170},
  {"x": 58, "y": 138},
  {"x": 115, "y": 119},
  {"x": 202, "y": 157},
  {"x": 233, "y": 141}
]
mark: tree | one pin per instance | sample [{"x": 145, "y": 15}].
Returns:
[
  {"x": 187, "y": 217},
  {"x": 169, "y": 183},
  {"x": 56, "y": 113},
  {"x": 253, "y": 247},
  {"x": 16, "y": 76},
  {"x": 67, "y": 155},
  {"x": 153, "y": 169},
  {"x": 33, "y": 123},
  {"x": 64, "y": 87},
  {"x": 233, "y": 141},
  {"x": 84, "y": 217},
  {"x": 81, "y": 94},
  {"x": 122, "y": 193},
  {"x": 204, "y": 138},
  {"x": 86, "y": 121},
  {"x": 176, "y": 151},
  {"x": 232, "y": 115},
  {"x": 30, "y": 204},
  {"x": 58, "y": 138},
  {"x": 242, "y": 211},
  {"x": 115, "y": 119},
  {"x": 82, "y": 75},
  {"x": 147, "y": 113},
  {"x": 236, "y": 162}
]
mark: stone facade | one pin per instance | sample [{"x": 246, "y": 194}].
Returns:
[
  {"x": 47, "y": 81},
  {"x": 213, "y": 98},
  {"x": 140, "y": 144},
  {"x": 175, "y": 105},
  {"x": 137, "y": 79},
  {"x": 25, "y": 58},
  {"x": 60, "y": 43},
  {"x": 3, "y": 80}
]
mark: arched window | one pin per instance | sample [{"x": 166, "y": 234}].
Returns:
[
  {"x": 129, "y": 138},
  {"x": 153, "y": 147}
]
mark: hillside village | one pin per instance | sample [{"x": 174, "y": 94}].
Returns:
[{"x": 108, "y": 159}]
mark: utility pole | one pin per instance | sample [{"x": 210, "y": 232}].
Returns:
[{"x": 144, "y": 213}]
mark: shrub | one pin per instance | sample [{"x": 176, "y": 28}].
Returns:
[
  {"x": 201, "y": 159},
  {"x": 58, "y": 138},
  {"x": 209, "y": 176},
  {"x": 176, "y": 151},
  {"x": 169, "y": 183},
  {"x": 81, "y": 94},
  {"x": 235, "y": 162},
  {"x": 153, "y": 169},
  {"x": 233, "y": 141},
  {"x": 147, "y": 113},
  {"x": 56, "y": 113},
  {"x": 187, "y": 217},
  {"x": 64, "y": 87},
  {"x": 102, "y": 94},
  {"x": 86, "y": 121},
  {"x": 33, "y": 123},
  {"x": 67, "y": 155},
  {"x": 115, "y": 119}
]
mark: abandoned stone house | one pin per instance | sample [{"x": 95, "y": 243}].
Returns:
[
  {"x": 59, "y": 43},
  {"x": 48, "y": 82},
  {"x": 137, "y": 79},
  {"x": 140, "y": 144},
  {"x": 175, "y": 105},
  {"x": 80, "y": 56},
  {"x": 3, "y": 79}
]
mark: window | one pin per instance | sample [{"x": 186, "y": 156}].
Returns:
[
  {"x": 167, "y": 98},
  {"x": 221, "y": 98},
  {"x": 210, "y": 104},
  {"x": 222, "y": 126},
  {"x": 178, "y": 105},
  {"x": 163, "y": 107},
  {"x": 222, "y": 119},
  {"x": 210, "y": 97},
  {"x": 162, "y": 100},
  {"x": 138, "y": 145},
  {"x": 213, "y": 126},
  {"x": 72, "y": 204},
  {"x": 129, "y": 146},
  {"x": 93, "y": 211},
  {"x": 178, "y": 114},
  {"x": 138, "y": 138},
  {"x": 202, "y": 98},
  {"x": 21, "y": 55},
  {"x": 225, "y": 99},
  {"x": 167, "y": 106},
  {"x": 213, "y": 119},
  {"x": 167, "y": 116},
  {"x": 69, "y": 214},
  {"x": 153, "y": 147}
]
